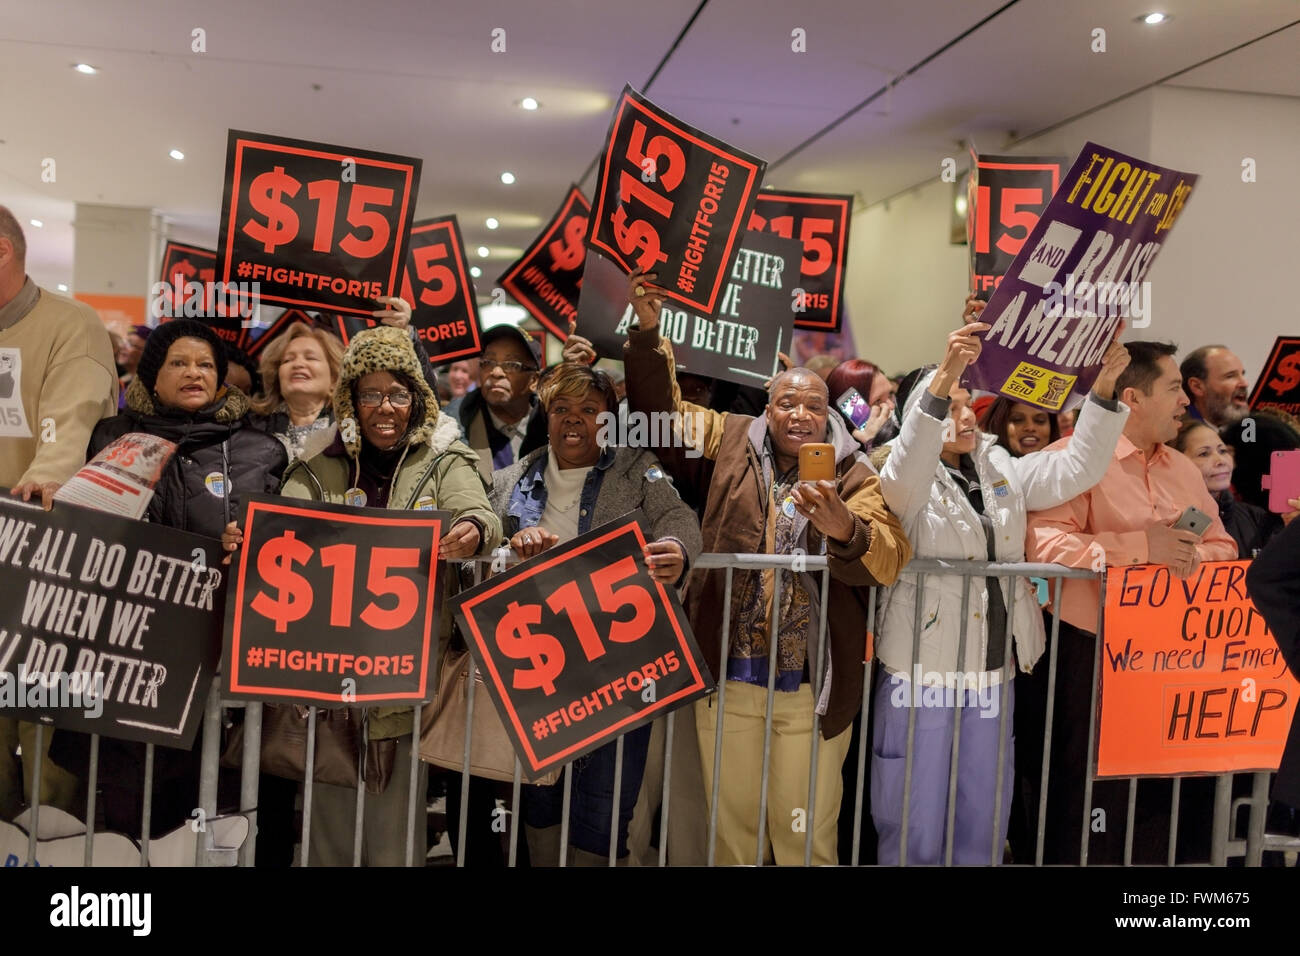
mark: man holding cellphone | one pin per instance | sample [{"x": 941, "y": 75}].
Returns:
[
  {"x": 1127, "y": 518},
  {"x": 748, "y": 469}
]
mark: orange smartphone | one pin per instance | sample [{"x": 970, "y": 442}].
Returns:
[{"x": 816, "y": 461}]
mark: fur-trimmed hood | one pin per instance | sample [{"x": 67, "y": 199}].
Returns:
[
  {"x": 230, "y": 406},
  {"x": 383, "y": 349}
]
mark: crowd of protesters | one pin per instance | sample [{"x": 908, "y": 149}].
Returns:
[{"x": 513, "y": 450}]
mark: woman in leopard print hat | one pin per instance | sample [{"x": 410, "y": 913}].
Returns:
[{"x": 392, "y": 449}]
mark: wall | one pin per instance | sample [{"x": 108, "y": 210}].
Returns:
[{"x": 1223, "y": 277}]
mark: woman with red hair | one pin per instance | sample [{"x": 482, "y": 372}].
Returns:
[{"x": 874, "y": 386}]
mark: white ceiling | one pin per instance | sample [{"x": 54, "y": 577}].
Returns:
[{"x": 419, "y": 78}]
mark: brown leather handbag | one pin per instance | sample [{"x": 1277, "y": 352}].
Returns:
[
  {"x": 442, "y": 726},
  {"x": 284, "y": 744}
]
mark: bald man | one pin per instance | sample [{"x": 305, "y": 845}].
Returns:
[
  {"x": 1216, "y": 386},
  {"x": 747, "y": 470}
]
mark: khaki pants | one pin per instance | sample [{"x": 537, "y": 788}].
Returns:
[
  {"x": 787, "y": 821},
  {"x": 688, "y": 815},
  {"x": 58, "y": 787}
]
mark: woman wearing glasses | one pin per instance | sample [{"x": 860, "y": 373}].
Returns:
[{"x": 392, "y": 449}]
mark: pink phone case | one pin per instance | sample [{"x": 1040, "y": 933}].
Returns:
[{"x": 1283, "y": 480}]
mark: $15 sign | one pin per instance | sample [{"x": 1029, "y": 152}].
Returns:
[{"x": 317, "y": 588}]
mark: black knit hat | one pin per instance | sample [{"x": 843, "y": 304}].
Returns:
[{"x": 160, "y": 340}]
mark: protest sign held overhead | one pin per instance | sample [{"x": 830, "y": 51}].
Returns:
[
  {"x": 1005, "y": 197},
  {"x": 314, "y": 224},
  {"x": 740, "y": 343},
  {"x": 109, "y": 625},
  {"x": 1278, "y": 386},
  {"x": 1078, "y": 275},
  {"x": 673, "y": 200},
  {"x": 821, "y": 223},
  {"x": 547, "y": 278},
  {"x": 579, "y": 645},
  {"x": 332, "y": 605},
  {"x": 1192, "y": 680},
  {"x": 437, "y": 284}
]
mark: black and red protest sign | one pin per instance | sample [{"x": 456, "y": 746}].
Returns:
[
  {"x": 188, "y": 289},
  {"x": 1278, "y": 385},
  {"x": 330, "y": 604},
  {"x": 437, "y": 284},
  {"x": 742, "y": 343},
  {"x": 1005, "y": 197},
  {"x": 579, "y": 645},
  {"x": 547, "y": 279},
  {"x": 314, "y": 224},
  {"x": 108, "y": 625},
  {"x": 672, "y": 200},
  {"x": 821, "y": 223},
  {"x": 272, "y": 331}
]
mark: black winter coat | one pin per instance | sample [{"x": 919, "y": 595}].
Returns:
[
  {"x": 218, "y": 448},
  {"x": 1273, "y": 583}
]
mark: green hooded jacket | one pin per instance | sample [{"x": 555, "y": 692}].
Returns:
[{"x": 438, "y": 472}]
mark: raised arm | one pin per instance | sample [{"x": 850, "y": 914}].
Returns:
[{"x": 651, "y": 375}]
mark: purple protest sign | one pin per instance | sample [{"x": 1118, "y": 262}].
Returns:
[{"x": 1077, "y": 275}]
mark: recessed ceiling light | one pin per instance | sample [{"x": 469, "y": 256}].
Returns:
[
  {"x": 529, "y": 103},
  {"x": 63, "y": 287},
  {"x": 483, "y": 252},
  {"x": 1151, "y": 19},
  {"x": 507, "y": 178},
  {"x": 176, "y": 154},
  {"x": 84, "y": 68},
  {"x": 492, "y": 222},
  {"x": 475, "y": 271},
  {"x": 37, "y": 223}
]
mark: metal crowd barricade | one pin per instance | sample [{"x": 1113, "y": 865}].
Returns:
[{"x": 1224, "y": 844}]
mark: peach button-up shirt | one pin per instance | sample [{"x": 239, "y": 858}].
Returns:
[{"x": 1112, "y": 518}]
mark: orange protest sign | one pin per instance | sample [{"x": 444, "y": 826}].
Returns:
[{"x": 1191, "y": 678}]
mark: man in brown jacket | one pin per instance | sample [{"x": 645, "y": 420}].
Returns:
[{"x": 747, "y": 469}]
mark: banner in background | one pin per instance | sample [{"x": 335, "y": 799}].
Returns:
[
  {"x": 1191, "y": 678},
  {"x": 437, "y": 283},
  {"x": 271, "y": 332},
  {"x": 1278, "y": 386},
  {"x": 333, "y": 605},
  {"x": 672, "y": 200},
  {"x": 315, "y": 225},
  {"x": 108, "y": 625},
  {"x": 740, "y": 344},
  {"x": 547, "y": 278},
  {"x": 1005, "y": 198},
  {"x": 1080, "y": 272},
  {"x": 821, "y": 223},
  {"x": 580, "y": 644},
  {"x": 188, "y": 290}
]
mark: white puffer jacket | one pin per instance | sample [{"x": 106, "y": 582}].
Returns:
[{"x": 941, "y": 523}]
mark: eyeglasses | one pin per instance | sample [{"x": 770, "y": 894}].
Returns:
[
  {"x": 510, "y": 368},
  {"x": 398, "y": 399}
]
